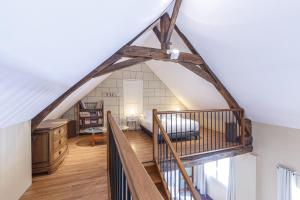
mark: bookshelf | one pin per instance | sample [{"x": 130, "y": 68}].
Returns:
[{"x": 90, "y": 114}]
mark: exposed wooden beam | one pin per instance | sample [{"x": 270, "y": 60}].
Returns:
[
  {"x": 121, "y": 65},
  {"x": 173, "y": 20},
  {"x": 164, "y": 27},
  {"x": 115, "y": 57},
  {"x": 157, "y": 33},
  {"x": 197, "y": 70},
  {"x": 218, "y": 84},
  {"x": 158, "y": 54},
  {"x": 186, "y": 41},
  {"x": 38, "y": 118},
  {"x": 198, "y": 159}
]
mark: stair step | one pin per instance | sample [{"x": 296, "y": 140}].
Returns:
[
  {"x": 151, "y": 168},
  {"x": 148, "y": 163},
  {"x": 153, "y": 172},
  {"x": 155, "y": 177},
  {"x": 161, "y": 189}
]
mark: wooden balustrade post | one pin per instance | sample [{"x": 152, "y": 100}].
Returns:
[{"x": 155, "y": 135}]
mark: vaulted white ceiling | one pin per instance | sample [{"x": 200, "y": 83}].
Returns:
[
  {"x": 251, "y": 46},
  {"x": 47, "y": 46}
]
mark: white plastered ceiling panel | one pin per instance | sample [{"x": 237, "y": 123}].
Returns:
[
  {"x": 48, "y": 46},
  {"x": 76, "y": 96},
  {"x": 193, "y": 91},
  {"x": 253, "y": 47}
]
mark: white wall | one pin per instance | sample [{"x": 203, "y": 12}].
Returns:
[
  {"x": 215, "y": 189},
  {"x": 274, "y": 145},
  {"x": 15, "y": 160},
  {"x": 245, "y": 179}
]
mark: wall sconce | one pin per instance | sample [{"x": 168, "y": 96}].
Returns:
[{"x": 131, "y": 110}]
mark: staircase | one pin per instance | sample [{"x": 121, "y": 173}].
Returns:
[{"x": 153, "y": 172}]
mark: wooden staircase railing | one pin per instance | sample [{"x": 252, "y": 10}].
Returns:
[
  {"x": 127, "y": 178},
  {"x": 174, "y": 176}
]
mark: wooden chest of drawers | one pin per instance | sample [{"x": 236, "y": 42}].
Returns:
[{"x": 49, "y": 146}]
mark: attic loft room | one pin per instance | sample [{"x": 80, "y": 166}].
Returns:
[{"x": 175, "y": 99}]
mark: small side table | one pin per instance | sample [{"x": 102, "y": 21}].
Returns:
[
  {"x": 132, "y": 122},
  {"x": 94, "y": 138}
]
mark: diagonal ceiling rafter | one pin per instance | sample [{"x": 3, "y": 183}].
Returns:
[{"x": 192, "y": 61}]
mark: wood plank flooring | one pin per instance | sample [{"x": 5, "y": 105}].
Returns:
[
  {"x": 141, "y": 144},
  {"x": 83, "y": 175}
]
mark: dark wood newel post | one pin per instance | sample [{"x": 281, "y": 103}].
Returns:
[{"x": 155, "y": 134}]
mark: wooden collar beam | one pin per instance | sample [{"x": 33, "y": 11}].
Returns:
[{"x": 158, "y": 54}]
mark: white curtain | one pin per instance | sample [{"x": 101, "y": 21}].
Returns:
[
  {"x": 200, "y": 179},
  {"x": 285, "y": 181},
  {"x": 231, "y": 194}
]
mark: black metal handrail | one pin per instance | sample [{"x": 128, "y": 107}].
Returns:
[{"x": 198, "y": 131}]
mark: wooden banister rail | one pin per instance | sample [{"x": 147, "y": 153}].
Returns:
[
  {"x": 127, "y": 176},
  {"x": 179, "y": 165}
]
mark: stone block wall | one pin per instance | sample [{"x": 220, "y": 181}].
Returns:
[{"x": 155, "y": 93}]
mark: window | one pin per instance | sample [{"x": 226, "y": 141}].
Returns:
[
  {"x": 218, "y": 170},
  {"x": 177, "y": 184},
  {"x": 296, "y": 187},
  {"x": 190, "y": 173}
]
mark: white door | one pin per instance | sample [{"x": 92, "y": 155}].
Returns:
[{"x": 133, "y": 97}]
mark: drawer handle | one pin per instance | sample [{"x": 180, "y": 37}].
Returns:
[
  {"x": 59, "y": 152},
  {"x": 59, "y": 141}
]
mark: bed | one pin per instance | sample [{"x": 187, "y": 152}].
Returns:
[{"x": 178, "y": 128}]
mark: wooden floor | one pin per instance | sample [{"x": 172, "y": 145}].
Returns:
[
  {"x": 209, "y": 140},
  {"x": 141, "y": 144},
  {"x": 83, "y": 175}
]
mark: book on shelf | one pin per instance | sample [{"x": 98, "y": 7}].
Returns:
[
  {"x": 84, "y": 114},
  {"x": 87, "y": 121},
  {"x": 82, "y": 104},
  {"x": 90, "y": 114}
]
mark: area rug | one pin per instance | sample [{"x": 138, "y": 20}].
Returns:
[{"x": 86, "y": 142}]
